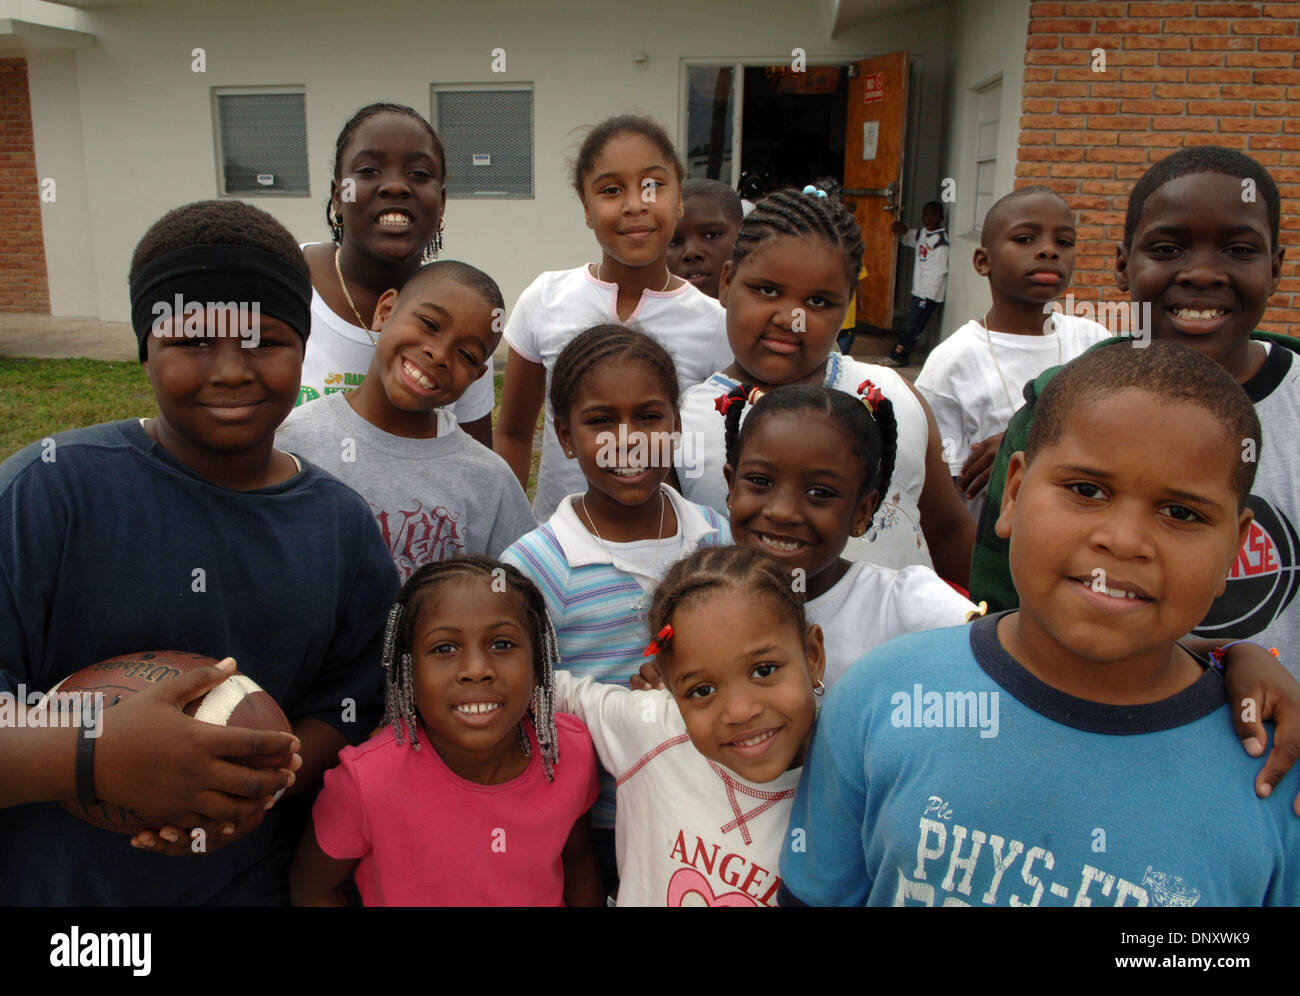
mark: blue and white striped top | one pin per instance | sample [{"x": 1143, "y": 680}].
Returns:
[{"x": 598, "y": 600}]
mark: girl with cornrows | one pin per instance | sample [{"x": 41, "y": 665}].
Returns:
[
  {"x": 385, "y": 212},
  {"x": 785, "y": 289}
]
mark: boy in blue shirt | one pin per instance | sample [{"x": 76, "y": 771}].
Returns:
[
  {"x": 1006, "y": 763},
  {"x": 187, "y": 531}
]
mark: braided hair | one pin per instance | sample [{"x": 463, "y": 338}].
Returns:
[
  {"x": 872, "y": 435},
  {"x": 598, "y": 344},
  {"x": 789, "y": 212},
  {"x": 350, "y": 129},
  {"x": 741, "y": 568},
  {"x": 399, "y": 688}
]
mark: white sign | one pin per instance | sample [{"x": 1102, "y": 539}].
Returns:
[
  {"x": 870, "y": 137},
  {"x": 266, "y": 179},
  {"x": 481, "y": 159}
]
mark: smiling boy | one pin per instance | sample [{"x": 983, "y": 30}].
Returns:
[
  {"x": 187, "y": 531},
  {"x": 1120, "y": 540},
  {"x": 394, "y": 440},
  {"x": 1201, "y": 251}
]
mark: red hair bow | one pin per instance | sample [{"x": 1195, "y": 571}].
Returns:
[
  {"x": 871, "y": 395},
  {"x": 657, "y": 644},
  {"x": 723, "y": 403}
]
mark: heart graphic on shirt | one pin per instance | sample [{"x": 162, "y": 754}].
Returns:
[{"x": 687, "y": 881}]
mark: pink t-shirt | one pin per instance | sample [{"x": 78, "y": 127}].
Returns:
[{"x": 427, "y": 837}]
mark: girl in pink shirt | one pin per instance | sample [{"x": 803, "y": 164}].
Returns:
[{"x": 464, "y": 802}]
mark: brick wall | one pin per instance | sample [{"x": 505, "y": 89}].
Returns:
[
  {"x": 1175, "y": 74},
  {"x": 23, "y": 283}
]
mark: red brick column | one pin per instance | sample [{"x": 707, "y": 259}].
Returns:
[
  {"x": 1175, "y": 74},
  {"x": 24, "y": 286}
]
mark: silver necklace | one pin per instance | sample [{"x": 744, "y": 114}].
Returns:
[
  {"x": 998, "y": 367},
  {"x": 639, "y": 605}
]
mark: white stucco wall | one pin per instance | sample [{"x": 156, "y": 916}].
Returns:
[
  {"x": 988, "y": 38},
  {"x": 127, "y": 129}
]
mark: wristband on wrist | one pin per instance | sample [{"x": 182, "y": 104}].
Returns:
[
  {"x": 1217, "y": 655},
  {"x": 85, "y": 769}
]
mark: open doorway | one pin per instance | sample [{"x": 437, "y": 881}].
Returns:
[{"x": 792, "y": 124}]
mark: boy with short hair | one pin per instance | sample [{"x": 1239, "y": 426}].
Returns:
[
  {"x": 929, "y": 278},
  {"x": 974, "y": 378},
  {"x": 1201, "y": 253},
  {"x": 1002, "y": 754},
  {"x": 435, "y": 493},
  {"x": 187, "y": 531},
  {"x": 706, "y": 233}
]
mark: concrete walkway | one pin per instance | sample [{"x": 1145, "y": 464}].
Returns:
[{"x": 48, "y": 337}]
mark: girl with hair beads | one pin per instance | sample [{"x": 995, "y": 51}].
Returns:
[
  {"x": 384, "y": 212},
  {"x": 628, "y": 177},
  {"x": 786, "y": 289},
  {"x": 707, "y": 769},
  {"x": 793, "y": 495},
  {"x": 465, "y": 801},
  {"x": 614, "y": 394}
]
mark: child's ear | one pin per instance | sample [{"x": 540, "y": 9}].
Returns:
[
  {"x": 383, "y": 309},
  {"x": 1121, "y": 267},
  {"x": 724, "y": 282},
  {"x": 1278, "y": 257},
  {"x": 1010, "y": 492},
  {"x": 814, "y": 649},
  {"x": 729, "y": 474},
  {"x": 336, "y": 206},
  {"x": 563, "y": 434},
  {"x": 981, "y": 261},
  {"x": 862, "y": 514}
]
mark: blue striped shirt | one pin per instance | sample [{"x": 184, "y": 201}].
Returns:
[{"x": 598, "y": 603}]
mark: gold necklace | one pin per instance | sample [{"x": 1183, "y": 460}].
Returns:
[
  {"x": 343, "y": 283},
  {"x": 998, "y": 367}
]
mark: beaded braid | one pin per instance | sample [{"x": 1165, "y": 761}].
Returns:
[
  {"x": 789, "y": 212},
  {"x": 740, "y": 567},
  {"x": 399, "y": 690},
  {"x": 878, "y": 432}
]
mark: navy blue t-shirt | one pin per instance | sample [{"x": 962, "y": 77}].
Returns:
[{"x": 109, "y": 546}]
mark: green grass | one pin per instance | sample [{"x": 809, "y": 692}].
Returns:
[{"x": 41, "y": 397}]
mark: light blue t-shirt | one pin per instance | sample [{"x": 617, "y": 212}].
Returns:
[{"x": 944, "y": 773}]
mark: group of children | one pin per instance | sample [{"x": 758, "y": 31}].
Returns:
[{"x": 613, "y": 695}]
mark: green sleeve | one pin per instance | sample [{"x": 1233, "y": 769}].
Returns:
[{"x": 990, "y": 571}]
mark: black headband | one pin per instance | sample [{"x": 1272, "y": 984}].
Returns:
[{"x": 218, "y": 274}]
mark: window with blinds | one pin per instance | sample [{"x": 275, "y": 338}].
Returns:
[
  {"x": 261, "y": 140},
  {"x": 488, "y": 134}
]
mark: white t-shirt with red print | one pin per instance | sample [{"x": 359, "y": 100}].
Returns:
[{"x": 688, "y": 832}]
